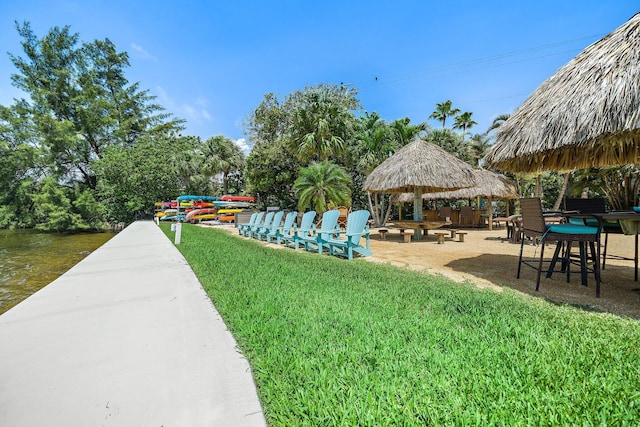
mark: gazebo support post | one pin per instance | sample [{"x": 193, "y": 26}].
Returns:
[
  {"x": 490, "y": 213},
  {"x": 417, "y": 210}
]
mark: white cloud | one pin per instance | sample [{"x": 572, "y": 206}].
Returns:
[
  {"x": 163, "y": 96},
  {"x": 242, "y": 143},
  {"x": 140, "y": 52},
  {"x": 190, "y": 111}
]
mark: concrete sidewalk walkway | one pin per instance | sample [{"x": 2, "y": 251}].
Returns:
[{"x": 127, "y": 337}]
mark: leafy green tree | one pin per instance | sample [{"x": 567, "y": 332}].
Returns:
[
  {"x": 270, "y": 171},
  {"x": 323, "y": 185},
  {"x": 80, "y": 102},
  {"x": 222, "y": 155},
  {"x": 321, "y": 121},
  {"x": 133, "y": 178},
  {"x": 55, "y": 210},
  {"x": 21, "y": 164},
  {"x": 271, "y": 167},
  {"x": 269, "y": 121},
  {"x": 443, "y": 111}
]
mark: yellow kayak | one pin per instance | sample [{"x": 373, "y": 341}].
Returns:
[{"x": 228, "y": 211}]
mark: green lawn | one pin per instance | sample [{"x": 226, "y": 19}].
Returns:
[{"x": 336, "y": 342}]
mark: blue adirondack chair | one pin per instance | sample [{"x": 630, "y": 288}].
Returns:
[
  {"x": 299, "y": 232},
  {"x": 328, "y": 228},
  {"x": 356, "y": 229},
  {"x": 285, "y": 230},
  {"x": 242, "y": 227},
  {"x": 268, "y": 218},
  {"x": 256, "y": 225},
  {"x": 270, "y": 232}
]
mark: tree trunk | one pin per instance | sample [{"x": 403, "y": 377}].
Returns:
[
  {"x": 565, "y": 184},
  {"x": 374, "y": 210}
]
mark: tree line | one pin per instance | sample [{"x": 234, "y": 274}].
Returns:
[{"x": 87, "y": 148}]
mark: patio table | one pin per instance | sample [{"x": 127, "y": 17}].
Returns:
[{"x": 616, "y": 216}]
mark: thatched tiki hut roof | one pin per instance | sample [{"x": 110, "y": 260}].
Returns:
[
  {"x": 489, "y": 184},
  {"x": 423, "y": 166},
  {"x": 586, "y": 114},
  {"x": 420, "y": 167}
]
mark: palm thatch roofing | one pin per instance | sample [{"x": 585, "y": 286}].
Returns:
[
  {"x": 585, "y": 115},
  {"x": 489, "y": 184},
  {"x": 420, "y": 166}
]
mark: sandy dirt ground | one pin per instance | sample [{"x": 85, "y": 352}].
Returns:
[{"x": 487, "y": 259}]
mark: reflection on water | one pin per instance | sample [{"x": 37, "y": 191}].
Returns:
[{"x": 30, "y": 260}]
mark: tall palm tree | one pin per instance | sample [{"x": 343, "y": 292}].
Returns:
[
  {"x": 464, "y": 122},
  {"x": 222, "y": 155},
  {"x": 444, "y": 110},
  {"x": 322, "y": 185}
]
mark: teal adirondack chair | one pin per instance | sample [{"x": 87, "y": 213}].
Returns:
[
  {"x": 242, "y": 227},
  {"x": 299, "y": 232},
  {"x": 256, "y": 225},
  {"x": 246, "y": 231},
  {"x": 356, "y": 229},
  {"x": 328, "y": 229},
  {"x": 268, "y": 218},
  {"x": 285, "y": 230},
  {"x": 271, "y": 231}
]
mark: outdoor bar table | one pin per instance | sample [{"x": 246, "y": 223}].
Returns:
[{"x": 632, "y": 229}]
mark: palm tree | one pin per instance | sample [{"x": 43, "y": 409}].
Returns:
[
  {"x": 321, "y": 122},
  {"x": 222, "y": 155},
  {"x": 322, "y": 185},
  {"x": 464, "y": 122},
  {"x": 375, "y": 142},
  {"x": 498, "y": 121},
  {"x": 479, "y": 145},
  {"x": 404, "y": 131},
  {"x": 450, "y": 141},
  {"x": 444, "y": 110}
]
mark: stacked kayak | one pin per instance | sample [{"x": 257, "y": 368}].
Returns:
[{"x": 196, "y": 208}]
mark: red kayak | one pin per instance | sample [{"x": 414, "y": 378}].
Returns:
[
  {"x": 203, "y": 204},
  {"x": 229, "y": 198}
]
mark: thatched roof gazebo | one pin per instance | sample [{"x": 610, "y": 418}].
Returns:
[
  {"x": 585, "y": 115},
  {"x": 489, "y": 184},
  {"x": 420, "y": 167}
]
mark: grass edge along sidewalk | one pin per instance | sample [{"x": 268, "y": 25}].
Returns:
[{"x": 354, "y": 343}]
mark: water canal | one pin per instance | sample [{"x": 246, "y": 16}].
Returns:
[{"x": 30, "y": 260}]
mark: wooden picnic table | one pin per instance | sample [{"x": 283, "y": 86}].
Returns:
[{"x": 418, "y": 225}]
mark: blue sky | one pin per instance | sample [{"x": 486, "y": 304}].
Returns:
[{"x": 211, "y": 62}]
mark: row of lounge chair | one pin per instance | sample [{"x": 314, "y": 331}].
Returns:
[{"x": 275, "y": 227}]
